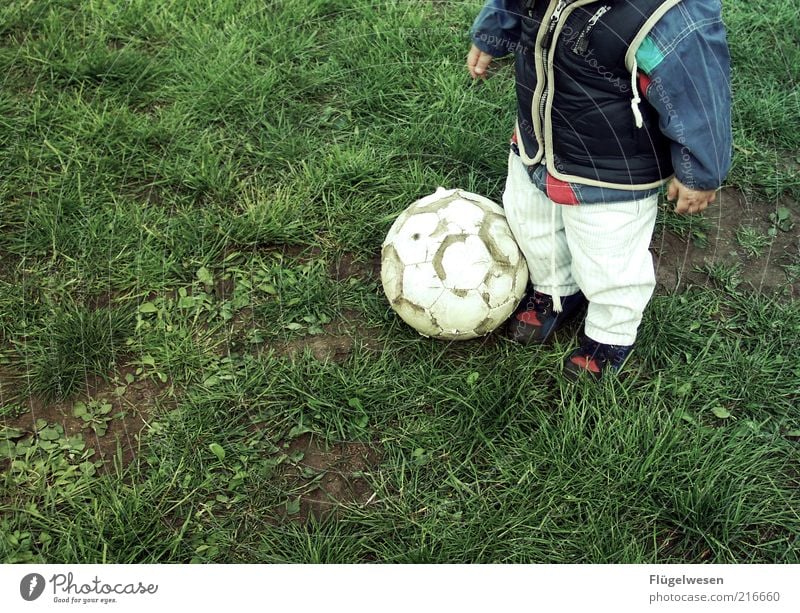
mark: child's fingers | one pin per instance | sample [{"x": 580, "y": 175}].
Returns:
[
  {"x": 689, "y": 200},
  {"x": 682, "y": 206},
  {"x": 477, "y": 61},
  {"x": 472, "y": 60},
  {"x": 691, "y": 204},
  {"x": 686, "y": 204},
  {"x": 672, "y": 190},
  {"x": 472, "y": 56},
  {"x": 483, "y": 62}
]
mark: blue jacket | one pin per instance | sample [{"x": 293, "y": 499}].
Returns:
[{"x": 684, "y": 68}]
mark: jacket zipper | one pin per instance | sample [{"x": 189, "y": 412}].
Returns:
[
  {"x": 551, "y": 26},
  {"x": 548, "y": 39},
  {"x": 582, "y": 44},
  {"x": 542, "y": 104}
]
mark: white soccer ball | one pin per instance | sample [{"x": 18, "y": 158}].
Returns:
[{"x": 450, "y": 266}]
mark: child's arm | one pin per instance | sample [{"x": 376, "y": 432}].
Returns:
[
  {"x": 494, "y": 33},
  {"x": 687, "y": 62}
]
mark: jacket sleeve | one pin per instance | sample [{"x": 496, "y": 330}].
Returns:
[
  {"x": 496, "y": 28},
  {"x": 687, "y": 61}
]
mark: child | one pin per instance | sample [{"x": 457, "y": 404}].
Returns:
[{"x": 614, "y": 99}]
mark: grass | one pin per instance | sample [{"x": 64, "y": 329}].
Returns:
[
  {"x": 178, "y": 184},
  {"x": 752, "y": 241},
  {"x": 689, "y": 227},
  {"x": 764, "y": 61}
]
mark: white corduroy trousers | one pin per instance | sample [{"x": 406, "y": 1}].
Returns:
[{"x": 601, "y": 249}]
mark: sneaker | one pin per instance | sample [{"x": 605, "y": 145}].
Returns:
[
  {"x": 534, "y": 321},
  {"x": 595, "y": 358}
]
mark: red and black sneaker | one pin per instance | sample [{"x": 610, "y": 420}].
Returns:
[
  {"x": 535, "y": 321},
  {"x": 595, "y": 358}
]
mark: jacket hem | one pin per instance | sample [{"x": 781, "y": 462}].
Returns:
[{"x": 606, "y": 184}]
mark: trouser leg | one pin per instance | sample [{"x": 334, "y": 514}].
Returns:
[
  {"x": 537, "y": 225},
  {"x": 612, "y": 264}
]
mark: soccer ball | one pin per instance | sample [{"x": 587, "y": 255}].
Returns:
[{"x": 450, "y": 266}]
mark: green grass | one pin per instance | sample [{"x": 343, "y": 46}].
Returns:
[
  {"x": 767, "y": 107},
  {"x": 178, "y": 181},
  {"x": 752, "y": 241},
  {"x": 75, "y": 343}
]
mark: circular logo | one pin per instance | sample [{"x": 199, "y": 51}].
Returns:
[{"x": 31, "y": 586}]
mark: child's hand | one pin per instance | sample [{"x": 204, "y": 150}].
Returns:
[
  {"x": 477, "y": 63},
  {"x": 689, "y": 200}
]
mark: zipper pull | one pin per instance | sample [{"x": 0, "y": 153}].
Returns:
[
  {"x": 551, "y": 26},
  {"x": 582, "y": 45}
]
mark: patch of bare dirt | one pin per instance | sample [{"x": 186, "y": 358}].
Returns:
[
  {"x": 136, "y": 402},
  {"x": 677, "y": 259},
  {"x": 330, "y": 477},
  {"x": 104, "y": 299},
  {"x": 299, "y": 253},
  {"x": 223, "y": 288},
  {"x": 323, "y": 347},
  {"x": 348, "y": 266},
  {"x": 337, "y": 342}
]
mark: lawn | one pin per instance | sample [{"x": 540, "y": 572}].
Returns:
[{"x": 197, "y": 362}]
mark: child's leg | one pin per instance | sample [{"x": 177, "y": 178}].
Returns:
[
  {"x": 538, "y": 229},
  {"x": 612, "y": 264}
]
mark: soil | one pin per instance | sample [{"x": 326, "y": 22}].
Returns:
[
  {"x": 347, "y": 266},
  {"x": 331, "y": 477},
  {"x": 339, "y": 339},
  {"x": 137, "y": 402},
  {"x": 677, "y": 258}
]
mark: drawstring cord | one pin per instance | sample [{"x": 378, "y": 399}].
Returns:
[
  {"x": 556, "y": 298},
  {"x": 637, "y": 113}
]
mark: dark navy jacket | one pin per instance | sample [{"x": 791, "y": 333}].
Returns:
[{"x": 588, "y": 122}]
